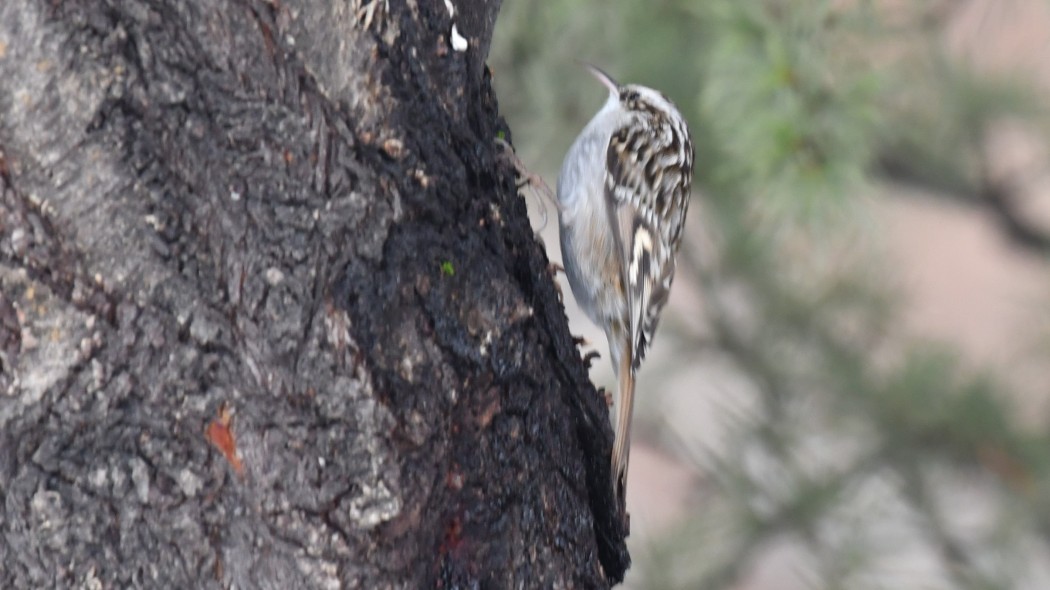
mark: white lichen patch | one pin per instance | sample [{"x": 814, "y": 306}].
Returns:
[
  {"x": 140, "y": 479},
  {"x": 374, "y": 506},
  {"x": 153, "y": 222},
  {"x": 459, "y": 43},
  {"x": 274, "y": 276},
  {"x": 189, "y": 482}
]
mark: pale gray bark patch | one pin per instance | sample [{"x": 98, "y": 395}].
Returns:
[{"x": 54, "y": 337}]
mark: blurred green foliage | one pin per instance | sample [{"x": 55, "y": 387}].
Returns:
[{"x": 795, "y": 108}]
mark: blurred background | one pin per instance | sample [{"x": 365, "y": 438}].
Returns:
[{"x": 850, "y": 387}]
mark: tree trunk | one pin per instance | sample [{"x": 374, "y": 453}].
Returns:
[{"x": 271, "y": 311}]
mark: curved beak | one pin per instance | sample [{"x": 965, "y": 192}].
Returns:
[{"x": 604, "y": 78}]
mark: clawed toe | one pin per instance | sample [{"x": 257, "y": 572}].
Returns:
[{"x": 589, "y": 358}]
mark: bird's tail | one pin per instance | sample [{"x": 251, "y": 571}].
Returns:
[{"x": 624, "y": 412}]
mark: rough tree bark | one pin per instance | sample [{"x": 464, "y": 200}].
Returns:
[{"x": 271, "y": 311}]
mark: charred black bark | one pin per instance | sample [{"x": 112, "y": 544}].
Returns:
[{"x": 271, "y": 311}]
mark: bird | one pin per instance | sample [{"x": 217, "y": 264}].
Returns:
[{"x": 623, "y": 192}]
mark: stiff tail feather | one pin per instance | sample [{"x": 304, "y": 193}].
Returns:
[{"x": 624, "y": 412}]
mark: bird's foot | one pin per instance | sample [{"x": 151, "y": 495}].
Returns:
[
  {"x": 528, "y": 179},
  {"x": 588, "y": 358},
  {"x": 561, "y": 296}
]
